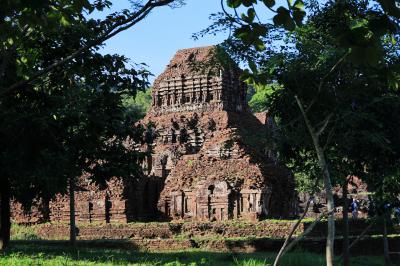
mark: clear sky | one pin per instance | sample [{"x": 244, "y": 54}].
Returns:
[{"x": 155, "y": 39}]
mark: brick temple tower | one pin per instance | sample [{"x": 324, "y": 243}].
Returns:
[{"x": 211, "y": 152}]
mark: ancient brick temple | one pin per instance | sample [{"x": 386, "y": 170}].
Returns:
[{"x": 210, "y": 156}]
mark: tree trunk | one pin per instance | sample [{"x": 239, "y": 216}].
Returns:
[
  {"x": 72, "y": 224},
  {"x": 385, "y": 242},
  {"x": 289, "y": 237},
  {"x": 330, "y": 238},
  {"x": 45, "y": 210},
  {"x": 5, "y": 215},
  {"x": 306, "y": 232},
  {"x": 346, "y": 251}
]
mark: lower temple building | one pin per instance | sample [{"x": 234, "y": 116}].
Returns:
[{"x": 211, "y": 159}]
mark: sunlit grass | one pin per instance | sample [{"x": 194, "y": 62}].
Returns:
[
  {"x": 23, "y": 232},
  {"x": 59, "y": 254}
]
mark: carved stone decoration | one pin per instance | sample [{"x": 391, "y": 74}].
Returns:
[{"x": 199, "y": 81}]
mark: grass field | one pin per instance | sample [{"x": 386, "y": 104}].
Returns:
[{"x": 59, "y": 255}]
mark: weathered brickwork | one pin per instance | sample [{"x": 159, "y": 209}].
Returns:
[
  {"x": 210, "y": 158},
  {"x": 199, "y": 79},
  {"x": 164, "y": 230},
  {"x": 210, "y": 151}
]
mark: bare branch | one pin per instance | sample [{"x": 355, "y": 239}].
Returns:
[
  {"x": 308, "y": 230},
  {"x": 324, "y": 124},
  {"x": 282, "y": 251},
  {"x": 332, "y": 70},
  {"x": 229, "y": 16},
  {"x": 289, "y": 237},
  {"x": 363, "y": 232},
  {"x": 360, "y": 237},
  {"x": 310, "y": 128},
  {"x": 237, "y": 15},
  {"x": 330, "y": 135}
]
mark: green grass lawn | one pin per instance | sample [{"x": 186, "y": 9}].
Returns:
[{"x": 61, "y": 255}]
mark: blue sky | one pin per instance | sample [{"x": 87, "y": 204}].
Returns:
[{"x": 156, "y": 38}]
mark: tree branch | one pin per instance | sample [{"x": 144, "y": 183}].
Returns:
[
  {"x": 324, "y": 124},
  {"x": 328, "y": 139},
  {"x": 259, "y": 21},
  {"x": 115, "y": 29},
  {"x": 308, "y": 230},
  {"x": 232, "y": 19},
  {"x": 289, "y": 237},
  {"x": 360, "y": 236},
  {"x": 332, "y": 70},
  {"x": 330, "y": 240},
  {"x": 310, "y": 128},
  {"x": 363, "y": 232},
  {"x": 296, "y": 225}
]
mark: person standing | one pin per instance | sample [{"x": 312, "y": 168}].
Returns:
[
  {"x": 354, "y": 209},
  {"x": 397, "y": 214}
]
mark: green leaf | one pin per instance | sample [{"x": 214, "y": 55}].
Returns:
[
  {"x": 299, "y": 4},
  {"x": 251, "y": 13},
  {"x": 64, "y": 21},
  {"x": 269, "y": 3},
  {"x": 298, "y": 16},
  {"x": 248, "y": 3},
  {"x": 259, "y": 45},
  {"x": 283, "y": 19},
  {"x": 88, "y": 6},
  {"x": 243, "y": 33},
  {"x": 253, "y": 67},
  {"x": 234, "y": 3},
  {"x": 393, "y": 39},
  {"x": 259, "y": 30},
  {"x": 247, "y": 77},
  {"x": 24, "y": 59},
  {"x": 358, "y": 23},
  {"x": 80, "y": 4}
]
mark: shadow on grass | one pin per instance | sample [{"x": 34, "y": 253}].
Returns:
[
  {"x": 109, "y": 252},
  {"x": 120, "y": 252}
]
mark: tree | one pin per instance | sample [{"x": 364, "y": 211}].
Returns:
[
  {"x": 66, "y": 122},
  {"x": 258, "y": 101},
  {"x": 61, "y": 101},
  {"x": 350, "y": 100},
  {"x": 20, "y": 19},
  {"x": 335, "y": 67},
  {"x": 139, "y": 104}
]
